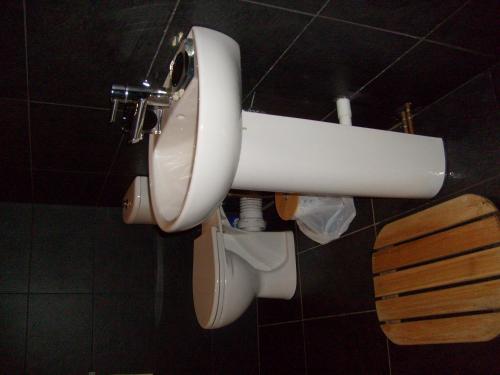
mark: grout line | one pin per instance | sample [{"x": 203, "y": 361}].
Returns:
[
  {"x": 286, "y": 50},
  {"x": 340, "y": 315},
  {"x": 32, "y": 222},
  {"x": 251, "y": 101},
  {"x": 14, "y": 99},
  {"x": 458, "y": 48},
  {"x": 280, "y": 323},
  {"x": 108, "y": 173},
  {"x": 319, "y": 318},
  {"x": 343, "y": 236},
  {"x": 299, "y": 283},
  {"x": 51, "y": 170},
  {"x": 165, "y": 30},
  {"x": 366, "y": 26},
  {"x": 418, "y": 43},
  {"x": 329, "y": 114},
  {"x": 258, "y": 334},
  {"x": 437, "y": 200},
  {"x": 259, "y": 3},
  {"x": 69, "y": 105},
  {"x": 451, "y": 92},
  {"x": 373, "y": 219},
  {"x": 388, "y": 355}
]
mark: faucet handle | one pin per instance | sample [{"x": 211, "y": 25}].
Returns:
[
  {"x": 136, "y": 133},
  {"x": 114, "y": 110}
]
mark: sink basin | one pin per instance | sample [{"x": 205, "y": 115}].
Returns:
[{"x": 208, "y": 145}]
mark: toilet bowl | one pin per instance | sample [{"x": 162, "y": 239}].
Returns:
[{"x": 231, "y": 267}]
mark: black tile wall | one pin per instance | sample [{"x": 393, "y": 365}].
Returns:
[
  {"x": 15, "y": 245},
  {"x": 63, "y": 247},
  {"x": 336, "y": 278},
  {"x": 474, "y": 27},
  {"x": 69, "y": 188},
  {"x": 468, "y": 121},
  {"x": 330, "y": 59},
  {"x": 77, "y": 50},
  {"x": 72, "y": 139},
  {"x": 13, "y": 308},
  {"x": 59, "y": 334},
  {"x": 124, "y": 255},
  {"x": 234, "y": 347},
  {"x": 411, "y": 17},
  {"x": 14, "y": 143},
  {"x": 123, "y": 333},
  {"x": 13, "y": 62},
  {"x": 346, "y": 345},
  {"x": 282, "y": 349},
  {"x": 297, "y": 61},
  {"x": 272, "y": 31}
]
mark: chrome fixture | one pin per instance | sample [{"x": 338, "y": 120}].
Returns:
[{"x": 142, "y": 97}]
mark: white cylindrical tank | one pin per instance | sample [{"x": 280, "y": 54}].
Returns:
[
  {"x": 136, "y": 208},
  {"x": 312, "y": 157}
]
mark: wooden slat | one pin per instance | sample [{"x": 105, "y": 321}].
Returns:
[
  {"x": 463, "y": 268},
  {"x": 475, "y": 297},
  {"x": 472, "y": 328},
  {"x": 452, "y": 212},
  {"x": 453, "y": 241}
]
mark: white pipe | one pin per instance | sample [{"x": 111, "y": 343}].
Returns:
[
  {"x": 344, "y": 111},
  {"x": 251, "y": 215}
]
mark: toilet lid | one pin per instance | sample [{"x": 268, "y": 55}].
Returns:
[{"x": 208, "y": 277}]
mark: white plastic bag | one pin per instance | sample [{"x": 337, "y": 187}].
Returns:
[{"x": 324, "y": 219}]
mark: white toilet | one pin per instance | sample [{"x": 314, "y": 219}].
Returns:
[{"x": 231, "y": 267}]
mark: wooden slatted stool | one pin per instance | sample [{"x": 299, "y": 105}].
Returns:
[{"x": 437, "y": 274}]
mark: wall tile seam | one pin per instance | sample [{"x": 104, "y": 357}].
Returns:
[
  {"x": 285, "y": 51},
  {"x": 435, "y": 201},
  {"x": 341, "y": 237},
  {"x": 319, "y": 317}
]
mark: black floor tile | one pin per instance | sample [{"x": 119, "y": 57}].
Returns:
[
  {"x": 12, "y": 50},
  {"x": 63, "y": 245},
  {"x": 281, "y": 349},
  {"x": 271, "y": 31},
  {"x": 234, "y": 347},
  {"x": 330, "y": 59},
  {"x": 123, "y": 333},
  {"x": 272, "y": 310},
  {"x": 67, "y": 188},
  {"x": 125, "y": 255},
  {"x": 72, "y": 139},
  {"x": 448, "y": 359},
  {"x": 14, "y": 142},
  {"x": 78, "y": 50},
  {"x": 412, "y": 17},
  {"x": 495, "y": 76},
  {"x": 15, "y": 245},
  {"x": 16, "y": 185},
  {"x": 474, "y": 27},
  {"x": 346, "y": 345},
  {"x": 59, "y": 334},
  {"x": 336, "y": 278},
  {"x": 13, "y": 333}
]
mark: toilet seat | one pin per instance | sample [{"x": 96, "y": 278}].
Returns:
[
  {"x": 209, "y": 285},
  {"x": 231, "y": 267}
]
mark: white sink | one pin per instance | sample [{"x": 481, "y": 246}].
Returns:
[{"x": 208, "y": 145}]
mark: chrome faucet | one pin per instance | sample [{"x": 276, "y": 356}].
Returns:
[{"x": 142, "y": 97}]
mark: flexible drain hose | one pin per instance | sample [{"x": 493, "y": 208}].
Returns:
[{"x": 251, "y": 215}]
